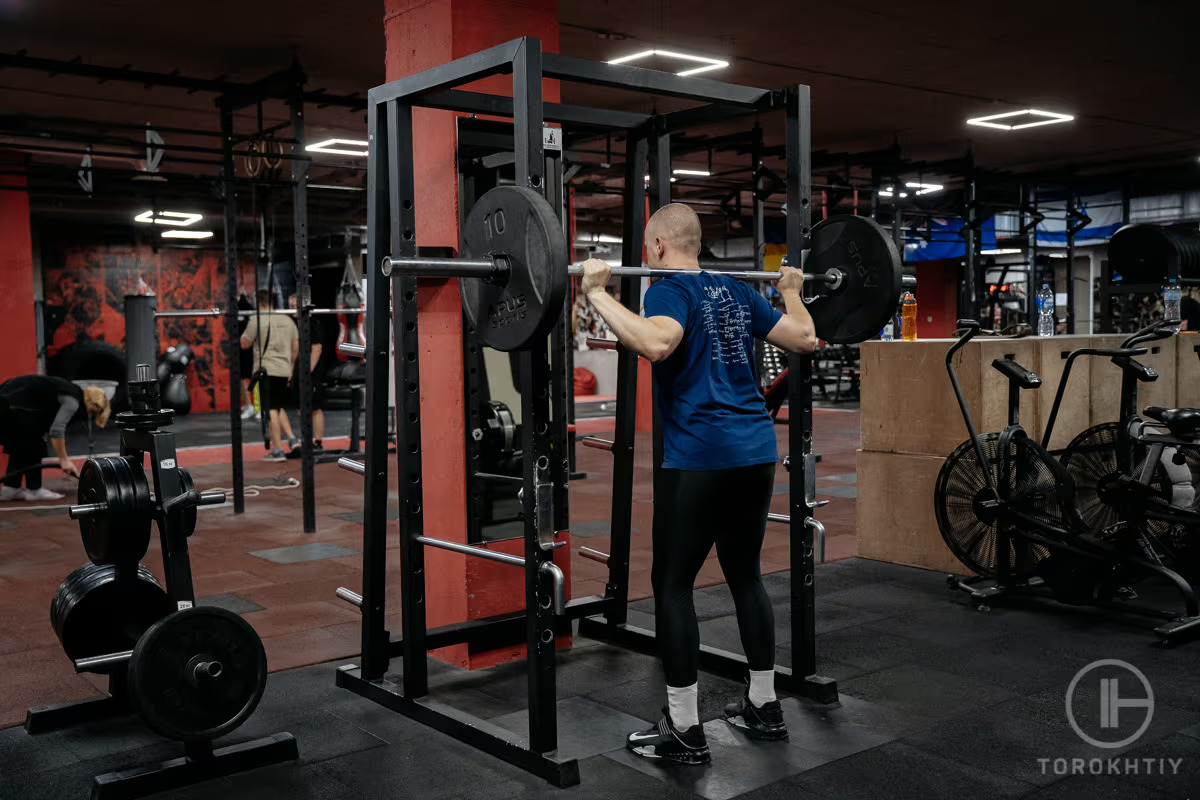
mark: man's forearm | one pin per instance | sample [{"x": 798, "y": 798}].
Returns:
[
  {"x": 635, "y": 331},
  {"x": 797, "y": 309}
]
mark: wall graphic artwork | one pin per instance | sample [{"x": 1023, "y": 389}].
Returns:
[{"x": 85, "y": 287}]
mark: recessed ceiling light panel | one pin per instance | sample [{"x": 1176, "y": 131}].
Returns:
[
  {"x": 1017, "y": 120},
  {"x": 187, "y": 234},
  {"x": 340, "y": 147},
  {"x": 179, "y": 219},
  {"x": 705, "y": 63}
]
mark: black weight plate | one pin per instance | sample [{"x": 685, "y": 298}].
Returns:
[
  {"x": 188, "y": 515},
  {"x": 94, "y": 612},
  {"x": 870, "y": 290},
  {"x": 168, "y": 688},
  {"x": 121, "y": 535},
  {"x": 1144, "y": 254},
  {"x": 519, "y": 225}
]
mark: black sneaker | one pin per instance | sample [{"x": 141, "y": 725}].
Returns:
[
  {"x": 760, "y": 723},
  {"x": 666, "y": 741}
]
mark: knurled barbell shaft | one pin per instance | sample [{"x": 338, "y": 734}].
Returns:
[{"x": 489, "y": 269}]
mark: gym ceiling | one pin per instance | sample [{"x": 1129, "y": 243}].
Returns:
[{"x": 906, "y": 73}]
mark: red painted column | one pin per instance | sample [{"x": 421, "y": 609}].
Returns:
[
  {"x": 18, "y": 323},
  {"x": 422, "y": 34}
]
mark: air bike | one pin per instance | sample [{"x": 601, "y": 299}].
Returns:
[{"x": 1009, "y": 510}]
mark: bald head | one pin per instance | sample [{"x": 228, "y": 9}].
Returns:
[{"x": 673, "y": 237}]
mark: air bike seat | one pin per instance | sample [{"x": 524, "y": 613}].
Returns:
[{"x": 1179, "y": 421}]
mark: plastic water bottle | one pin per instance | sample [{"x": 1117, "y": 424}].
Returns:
[
  {"x": 1045, "y": 309},
  {"x": 886, "y": 334},
  {"x": 908, "y": 310},
  {"x": 1172, "y": 296}
]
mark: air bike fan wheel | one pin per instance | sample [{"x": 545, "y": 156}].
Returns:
[
  {"x": 1092, "y": 460},
  {"x": 970, "y": 529}
]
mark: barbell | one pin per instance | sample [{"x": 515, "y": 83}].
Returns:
[{"x": 515, "y": 272}]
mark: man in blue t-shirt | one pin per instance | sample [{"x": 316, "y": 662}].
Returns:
[{"x": 719, "y": 462}]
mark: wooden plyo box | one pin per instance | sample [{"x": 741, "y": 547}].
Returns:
[
  {"x": 895, "y": 517},
  {"x": 1187, "y": 371},
  {"x": 908, "y": 405},
  {"x": 1106, "y": 378}
]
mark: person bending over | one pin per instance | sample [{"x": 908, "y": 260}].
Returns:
[
  {"x": 276, "y": 346},
  {"x": 32, "y": 409},
  {"x": 718, "y": 470}
]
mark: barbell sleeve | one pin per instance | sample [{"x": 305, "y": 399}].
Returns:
[
  {"x": 352, "y": 349},
  {"x": 212, "y": 498},
  {"x": 350, "y": 465},
  {"x": 350, "y": 596},
  {"x": 86, "y": 510},
  {"x": 94, "y": 663},
  {"x": 443, "y": 267},
  {"x": 597, "y": 443},
  {"x": 784, "y": 518}
]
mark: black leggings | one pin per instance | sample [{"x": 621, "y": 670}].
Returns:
[
  {"x": 692, "y": 511},
  {"x": 24, "y": 451}
]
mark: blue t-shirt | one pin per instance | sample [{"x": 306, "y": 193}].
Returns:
[{"x": 712, "y": 412}]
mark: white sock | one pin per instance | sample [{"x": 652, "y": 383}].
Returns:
[
  {"x": 762, "y": 686},
  {"x": 682, "y": 705}
]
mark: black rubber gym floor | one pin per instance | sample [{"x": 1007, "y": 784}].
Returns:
[{"x": 937, "y": 700}]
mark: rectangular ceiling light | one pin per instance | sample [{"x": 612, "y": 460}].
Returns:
[
  {"x": 340, "y": 147},
  {"x": 703, "y": 173},
  {"x": 1003, "y": 251},
  {"x": 187, "y": 234},
  {"x": 705, "y": 62},
  {"x": 1034, "y": 119},
  {"x": 887, "y": 191},
  {"x": 176, "y": 218},
  {"x": 925, "y": 188}
]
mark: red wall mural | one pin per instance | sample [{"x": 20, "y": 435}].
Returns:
[{"x": 85, "y": 287}]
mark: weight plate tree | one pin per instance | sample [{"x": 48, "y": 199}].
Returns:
[
  {"x": 116, "y": 492},
  {"x": 197, "y": 674},
  {"x": 96, "y": 612},
  {"x": 969, "y": 529}
]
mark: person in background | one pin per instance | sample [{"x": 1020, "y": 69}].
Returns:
[
  {"x": 247, "y": 365},
  {"x": 32, "y": 409},
  {"x": 1189, "y": 312},
  {"x": 317, "y": 368},
  {"x": 276, "y": 344}
]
